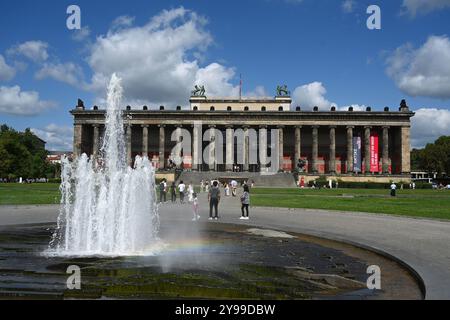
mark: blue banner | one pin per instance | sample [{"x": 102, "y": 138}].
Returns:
[{"x": 357, "y": 162}]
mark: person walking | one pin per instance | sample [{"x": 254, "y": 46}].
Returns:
[
  {"x": 190, "y": 193},
  {"x": 162, "y": 191},
  {"x": 195, "y": 207},
  {"x": 173, "y": 192},
  {"x": 393, "y": 189},
  {"x": 227, "y": 190},
  {"x": 233, "y": 188},
  {"x": 214, "y": 199},
  {"x": 245, "y": 202},
  {"x": 181, "y": 189}
]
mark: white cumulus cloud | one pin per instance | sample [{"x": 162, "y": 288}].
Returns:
[
  {"x": 6, "y": 72},
  {"x": 258, "y": 92},
  {"x": 157, "y": 60},
  {"x": 121, "y": 22},
  {"x": 58, "y": 138},
  {"x": 69, "y": 73},
  {"x": 82, "y": 34},
  {"x": 35, "y": 50},
  {"x": 429, "y": 124},
  {"x": 310, "y": 95},
  {"x": 14, "y": 101},
  {"x": 414, "y": 7},
  {"x": 424, "y": 71}
]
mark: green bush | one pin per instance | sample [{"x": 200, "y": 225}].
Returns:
[
  {"x": 423, "y": 185},
  {"x": 363, "y": 185}
]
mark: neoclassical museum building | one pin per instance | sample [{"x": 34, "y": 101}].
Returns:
[{"x": 351, "y": 145}]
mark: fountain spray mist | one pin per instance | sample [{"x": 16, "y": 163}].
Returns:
[{"x": 107, "y": 207}]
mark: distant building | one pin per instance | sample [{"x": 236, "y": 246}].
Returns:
[
  {"x": 54, "y": 157},
  {"x": 350, "y": 145}
]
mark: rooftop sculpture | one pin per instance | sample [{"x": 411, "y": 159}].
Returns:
[
  {"x": 199, "y": 91},
  {"x": 282, "y": 91}
]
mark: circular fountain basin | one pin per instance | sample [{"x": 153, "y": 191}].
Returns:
[{"x": 202, "y": 260}]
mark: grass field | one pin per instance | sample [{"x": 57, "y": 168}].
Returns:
[
  {"x": 416, "y": 203},
  {"x": 38, "y": 193}
]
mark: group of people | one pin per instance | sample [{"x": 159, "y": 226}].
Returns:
[
  {"x": 181, "y": 190},
  {"x": 214, "y": 196},
  {"x": 214, "y": 199}
]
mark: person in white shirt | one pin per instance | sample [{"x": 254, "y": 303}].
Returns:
[
  {"x": 195, "y": 207},
  {"x": 233, "y": 187},
  {"x": 393, "y": 189},
  {"x": 190, "y": 193},
  {"x": 227, "y": 189},
  {"x": 181, "y": 189}
]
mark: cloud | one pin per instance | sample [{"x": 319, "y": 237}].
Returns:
[
  {"x": 58, "y": 138},
  {"x": 413, "y": 7},
  {"x": 424, "y": 71},
  {"x": 157, "y": 61},
  {"x": 348, "y": 6},
  {"x": 121, "y": 22},
  {"x": 82, "y": 34},
  {"x": 217, "y": 80},
  {"x": 69, "y": 73},
  {"x": 6, "y": 72},
  {"x": 14, "y": 101},
  {"x": 33, "y": 50},
  {"x": 310, "y": 95},
  {"x": 429, "y": 124},
  {"x": 258, "y": 92}
]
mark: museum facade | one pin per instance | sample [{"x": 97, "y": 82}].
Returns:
[{"x": 367, "y": 145}]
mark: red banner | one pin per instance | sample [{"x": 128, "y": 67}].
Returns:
[{"x": 374, "y": 156}]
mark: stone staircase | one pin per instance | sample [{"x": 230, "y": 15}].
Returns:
[{"x": 260, "y": 180}]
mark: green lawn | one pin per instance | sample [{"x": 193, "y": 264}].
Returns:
[
  {"x": 416, "y": 203},
  {"x": 38, "y": 193}
]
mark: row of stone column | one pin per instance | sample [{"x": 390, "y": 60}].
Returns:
[{"x": 263, "y": 146}]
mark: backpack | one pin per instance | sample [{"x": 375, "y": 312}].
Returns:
[
  {"x": 244, "y": 197},
  {"x": 215, "y": 193},
  {"x": 161, "y": 186}
]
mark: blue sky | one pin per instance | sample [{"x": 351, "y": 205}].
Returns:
[{"x": 321, "y": 49}]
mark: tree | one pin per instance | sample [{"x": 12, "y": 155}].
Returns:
[
  {"x": 435, "y": 157},
  {"x": 416, "y": 159},
  {"x": 22, "y": 154}
]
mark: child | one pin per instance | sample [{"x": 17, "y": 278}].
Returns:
[
  {"x": 195, "y": 207},
  {"x": 190, "y": 193},
  {"x": 227, "y": 190}
]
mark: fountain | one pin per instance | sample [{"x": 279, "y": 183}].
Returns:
[{"x": 107, "y": 208}]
